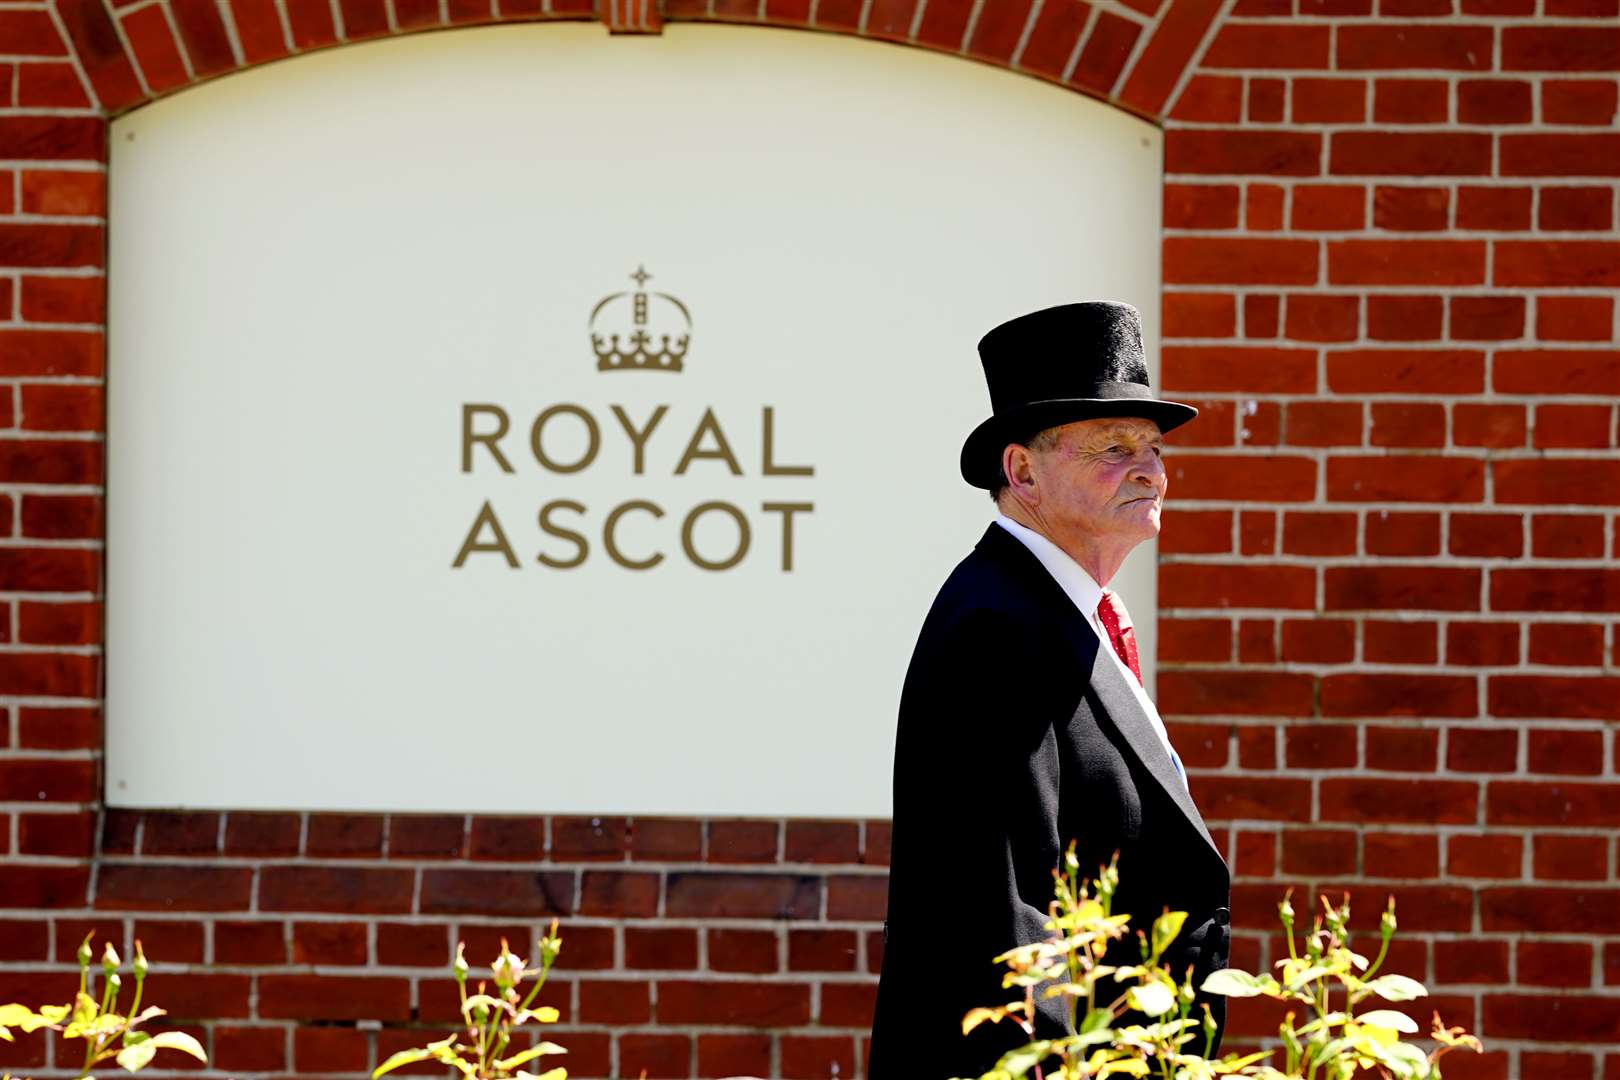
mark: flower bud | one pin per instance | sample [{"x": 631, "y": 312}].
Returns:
[
  {"x": 1387, "y": 924},
  {"x": 460, "y": 965},
  {"x": 140, "y": 961},
  {"x": 109, "y": 959},
  {"x": 115, "y": 980},
  {"x": 85, "y": 955}
]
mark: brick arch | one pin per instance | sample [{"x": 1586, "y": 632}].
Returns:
[{"x": 124, "y": 53}]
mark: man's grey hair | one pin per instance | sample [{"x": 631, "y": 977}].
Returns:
[{"x": 1045, "y": 439}]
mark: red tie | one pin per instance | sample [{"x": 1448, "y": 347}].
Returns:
[{"x": 1117, "y": 621}]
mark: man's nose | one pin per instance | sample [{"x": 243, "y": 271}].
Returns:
[{"x": 1148, "y": 468}]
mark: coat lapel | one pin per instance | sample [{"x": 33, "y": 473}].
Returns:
[{"x": 1107, "y": 682}]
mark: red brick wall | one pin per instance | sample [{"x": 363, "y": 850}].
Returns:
[{"x": 1389, "y": 584}]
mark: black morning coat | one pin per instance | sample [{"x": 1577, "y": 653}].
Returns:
[{"x": 1016, "y": 735}]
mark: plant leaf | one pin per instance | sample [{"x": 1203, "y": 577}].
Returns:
[
  {"x": 1234, "y": 982},
  {"x": 138, "y": 1051},
  {"x": 529, "y": 1055},
  {"x": 1152, "y": 999},
  {"x": 179, "y": 1040},
  {"x": 404, "y": 1057},
  {"x": 1397, "y": 988},
  {"x": 1389, "y": 1018},
  {"x": 1165, "y": 929}
]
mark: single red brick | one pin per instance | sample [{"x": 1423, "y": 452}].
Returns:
[
  {"x": 1264, "y": 208},
  {"x": 1487, "y": 535},
  {"x": 522, "y": 838},
  {"x": 350, "y": 890},
  {"x": 666, "y": 839},
  {"x": 1493, "y": 208},
  {"x": 1244, "y": 152},
  {"x": 1425, "y": 801},
  {"x": 334, "y": 997},
  {"x": 1487, "y": 318},
  {"x": 1323, "y": 423},
  {"x": 1560, "y": 155},
  {"x": 1489, "y": 855},
  {"x": 1399, "y": 643},
  {"x": 1423, "y": 48},
  {"x": 1405, "y": 318},
  {"x": 1253, "y": 585},
  {"x": 1567, "y": 536},
  {"x": 1411, "y": 101},
  {"x": 418, "y": 835},
  {"x": 1561, "y": 371},
  {"x": 751, "y": 1003},
  {"x": 1228, "y": 797},
  {"x": 1560, "y": 48},
  {"x": 1403, "y": 749},
  {"x": 589, "y": 839},
  {"x": 1246, "y": 692},
  {"x": 51, "y": 86},
  {"x": 66, "y": 835},
  {"x": 1575, "y": 697},
  {"x": 1574, "y": 426},
  {"x": 1411, "y": 209},
  {"x": 1575, "y": 209},
  {"x": 1201, "y": 206},
  {"x": 1329, "y": 101},
  {"x": 1566, "y": 753},
  {"x": 1199, "y": 315},
  {"x": 1565, "y": 644},
  {"x": 742, "y": 951},
  {"x": 413, "y": 945},
  {"x": 1397, "y": 534},
  {"x": 659, "y": 948},
  {"x": 329, "y": 943},
  {"x": 743, "y": 841},
  {"x": 64, "y": 299},
  {"x": 1570, "y": 858},
  {"x": 64, "y": 193},
  {"x": 1197, "y": 531},
  {"x": 1400, "y": 855},
  {"x": 157, "y": 887},
  {"x": 1577, "y": 101},
  {"x": 344, "y": 835},
  {"x": 249, "y": 1049},
  {"x": 1482, "y": 749},
  {"x": 1556, "y": 263},
  {"x": 1565, "y": 480},
  {"x": 1396, "y": 153},
  {"x": 1489, "y": 425},
  {"x": 1317, "y": 641},
  {"x": 1257, "y": 532},
  {"x": 733, "y": 1055},
  {"x": 1494, "y": 101},
  {"x": 59, "y": 624},
  {"x": 1407, "y": 423},
  {"x": 1209, "y": 99},
  {"x": 822, "y": 841},
  {"x": 1395, "y": 478},
  {"x": 821, "y": 950},
  {"x": 1194, "y": 640},
  {"x": 1575, "y": 318},
  {"x": 1328, "y": 207},
  {"x": 1258, "y": 45},
  {"x": 610, "y": 892},
  {"x": 618, "y": 1002},
  {"x": 1239, "y": 369},
  {"x": 1311, "y": 533},
  {"x": 1194, "y": 260}
]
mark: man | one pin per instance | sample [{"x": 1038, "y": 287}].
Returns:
[{"x": 1023, "y": 722}]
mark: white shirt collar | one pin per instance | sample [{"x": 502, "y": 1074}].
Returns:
[{"x": 1080, "y": 586}]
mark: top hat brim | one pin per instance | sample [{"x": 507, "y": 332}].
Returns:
[{"x": 981, "y": 453}]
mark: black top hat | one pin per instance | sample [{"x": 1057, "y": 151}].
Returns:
[{"x": 1058, "y": 365}]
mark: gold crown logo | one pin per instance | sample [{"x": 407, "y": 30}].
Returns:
[{"x": 645, "y": 347}]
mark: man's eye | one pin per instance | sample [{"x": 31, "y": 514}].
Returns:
[{"x": 1158, "y": 451}]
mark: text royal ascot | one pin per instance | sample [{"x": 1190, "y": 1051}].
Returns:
[{"x": 483, "y": 426}]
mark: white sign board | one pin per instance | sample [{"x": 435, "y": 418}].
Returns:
[{"x": 404, "y": 514}]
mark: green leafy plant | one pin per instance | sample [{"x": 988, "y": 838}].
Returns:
[
  {"x": 480, "y": 1051},
  {"x": 1327, "y": 979},
  {"x": 106, "y": 1032}
]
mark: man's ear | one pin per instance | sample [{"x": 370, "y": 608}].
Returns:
[{"x": 1018, "y": 465}]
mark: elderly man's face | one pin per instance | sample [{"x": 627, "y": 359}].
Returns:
[{"x": 1103, "y": 483}]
